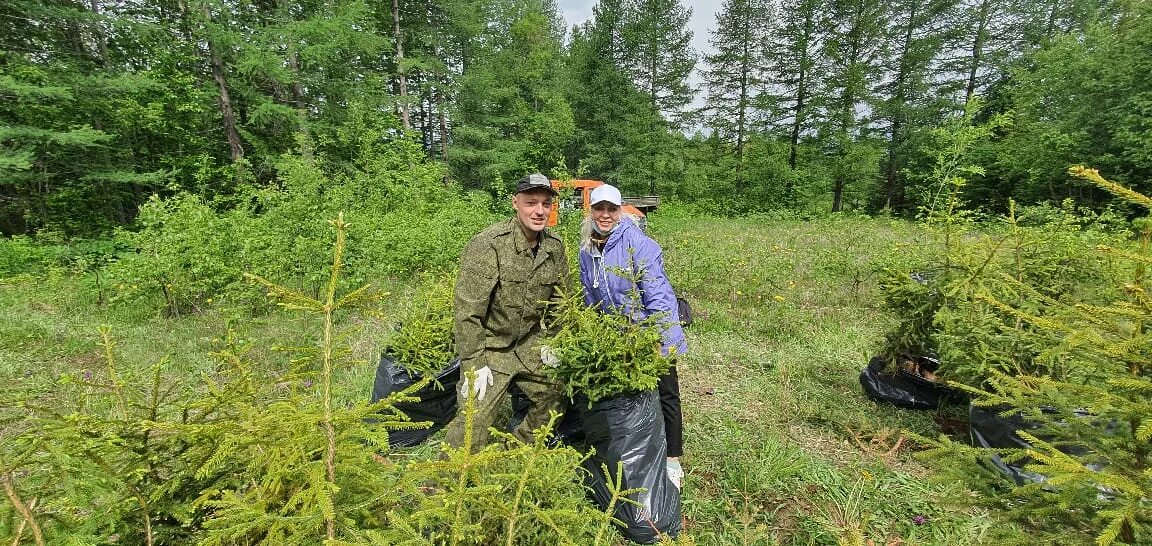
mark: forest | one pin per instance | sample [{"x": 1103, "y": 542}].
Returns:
[
  {"x": 217, "y": 216},
  {"x": 810, "y": 105}
]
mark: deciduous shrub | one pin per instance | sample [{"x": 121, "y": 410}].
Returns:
[
  {"x": 402, "y": 220},
  {"x": 23, "y": 254}
]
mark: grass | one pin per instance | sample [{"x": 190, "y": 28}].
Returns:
[{"x": 781, "y": 445}]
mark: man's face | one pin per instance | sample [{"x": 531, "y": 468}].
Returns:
[{"x": 532, "y": 208}]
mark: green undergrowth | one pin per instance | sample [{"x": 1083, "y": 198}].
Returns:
[
  {"x": 260, "y": 448},
  {"x": 781, "y": 445}
]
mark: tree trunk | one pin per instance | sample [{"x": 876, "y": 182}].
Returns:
[
  {"x": 893, "y": 191},
  {"x": 296, "y": 89},
  {"x": 848, "y": 103},
  {"x": 101, "y": 39},
  {"x": 442, "y": 111},
  {"x": 307, "y": 147},
  {"x": 742, "y": 112},
  {"x": 400, "y": 70},
  {"x": 794, "y": 137},
  {"x": 652, "y": 93},
  {"x": 225, "y": 99},
  {"x": 977, "y": 50},
  {"x": 900, "y": 99},
  {"x": 838, "y": 193},
  {"x": 801, "y": 96}
]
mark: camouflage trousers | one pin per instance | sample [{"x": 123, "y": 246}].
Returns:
[{"x": 507, "y": 368}]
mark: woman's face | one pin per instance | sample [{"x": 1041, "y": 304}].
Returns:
[{"x": 606, "y": 215}]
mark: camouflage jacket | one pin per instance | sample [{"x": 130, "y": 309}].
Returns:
[{"x": 502, "y": 290}]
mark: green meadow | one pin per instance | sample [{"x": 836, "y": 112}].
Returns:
[{"x": 782, "y": 447}]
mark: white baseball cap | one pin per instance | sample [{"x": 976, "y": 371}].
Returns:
[{"x": 605, "y": 193}]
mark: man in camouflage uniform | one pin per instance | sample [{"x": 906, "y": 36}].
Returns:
[{"x": 508, "y": 273}]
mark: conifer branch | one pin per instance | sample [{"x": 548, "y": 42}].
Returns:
[
  {"x": 23, "y": 509},
  {"x": 107, "y": 343},
  {"x": 326, "y": 378},
  {"x": 1093, "y": 176},
  {"x": 618, "y": 495}
]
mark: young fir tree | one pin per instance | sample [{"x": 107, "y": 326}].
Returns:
[
  {"x": 268, "y": 453},
  {"x": 1083, "y": 380},
  {"x": 737, "y": 73}
]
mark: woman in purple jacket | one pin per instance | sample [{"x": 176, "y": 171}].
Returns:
[{"x": 613, "y": 243}]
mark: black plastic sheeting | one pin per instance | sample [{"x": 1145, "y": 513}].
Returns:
[
  {"x": 569, "y": 429},
  {"x": 989, "y": 429},
  {"x": 628, "y": 430},
  {"x": 437, "y": 403},
  {"x": 994, "y": 428},
  {"x": 905, "y": 389}
]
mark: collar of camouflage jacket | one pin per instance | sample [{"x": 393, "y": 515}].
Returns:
[{"x": 520, "y": 241}]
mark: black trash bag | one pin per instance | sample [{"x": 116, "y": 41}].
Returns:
[
  {"x": 436, "y": 404},
  {"x": 569, "y": 429},
  {"x": 684, "y": 310},
  {"x": 629, "y": 429},
  {"x": 906, "y": 389},
  {"x": 990, "y": 429}
]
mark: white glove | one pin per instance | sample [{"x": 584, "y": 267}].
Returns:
[
  {"x": 548, "y": 357},
  {"x": 483, "y": 381}
]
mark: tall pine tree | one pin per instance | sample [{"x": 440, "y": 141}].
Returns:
[
  {"x": 853, "y": 47},
  {"x": 917, "y": 31},
  {"x": 795, "y": 54},
  {"x": 512, "y": 115},
  {"x": 736, "y": 74},
  {"x": 616, "y": 122},
  {"x": 658, "y": 53}
]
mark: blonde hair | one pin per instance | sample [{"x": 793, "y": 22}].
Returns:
[{"x": 586, "y": 228}]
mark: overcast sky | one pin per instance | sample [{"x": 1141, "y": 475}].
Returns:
[{"x": 703, "y": 17}]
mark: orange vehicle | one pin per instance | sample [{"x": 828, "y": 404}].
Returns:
[{"x": 582, "y": 189}]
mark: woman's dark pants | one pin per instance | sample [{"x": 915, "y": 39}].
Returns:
[{"x": 669, "y": 388}]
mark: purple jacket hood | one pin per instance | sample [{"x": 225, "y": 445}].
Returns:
[{"x": 604, "y": 287}]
